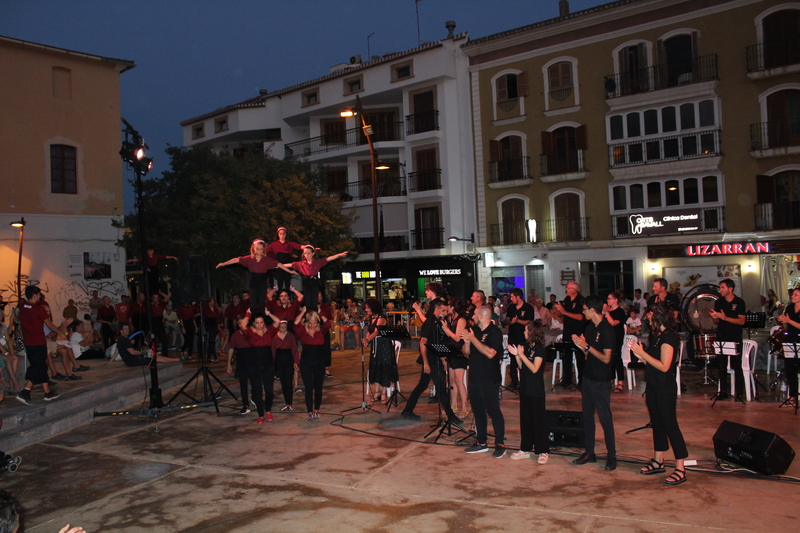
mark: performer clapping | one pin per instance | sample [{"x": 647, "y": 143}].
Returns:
[
  {"x": 312, "y": 361},
  {"x": 791, "y": 320},
  {"x": 309, "y": 268},
  {"x": 258, "y": 264},
  {"x": 662, "y": 359}
]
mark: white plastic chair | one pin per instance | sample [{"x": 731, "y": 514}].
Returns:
[
  {"x": 626, "y": 360},
  {"x": 558, "y": 362},
  {"x": 505, "y": 361},
  {"x": 397, "y": 346},
  {"x": 678, "y": 368},
  {"x": 749, "y": 351}
]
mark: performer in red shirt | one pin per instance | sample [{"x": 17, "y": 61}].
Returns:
[
  {"x": 186, "y": 314},
  {"x": 158, "y": 302},
  {"x": 312, "y": 362},
  {"x": 258, "y": 264},
  {"x": 123, "y": 310},
  {"x": 287, "y": 360},
  {"x": 33, "y": 317},
  {"x": 211, "y": 321},
  {"x": 262, "y": 371},
  {"x": 241, "y": 347},
  {"x": 308, "y": 269},
  {"x": 106, "y": 317},
  {"x": 283, "y": 252},
  {"x": 284, "y": 308}
]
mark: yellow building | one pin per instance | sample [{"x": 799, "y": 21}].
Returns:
[
  {"x": 610, "y": 141},
  {"x": 61, "y": 173}
]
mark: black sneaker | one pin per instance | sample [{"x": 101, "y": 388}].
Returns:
[
  {"x": 409, "y": 416},
  {"x": 244, "y": 410},
  {"x": 24, "y": 396},
  {"x": 50, "y": 396},
  {"x": 478, "y": 448},
  {"x": 81, "y": 368},
  {"x": 499, "y": 451},
  {"x": 433, "y": 399},
  {"x": 58, "y": 377},
  {"x": 584, "y": 458},
  {"x": 73, "y": 377}
]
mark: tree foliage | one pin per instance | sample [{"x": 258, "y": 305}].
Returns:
[{"x": 216, "y": 204}]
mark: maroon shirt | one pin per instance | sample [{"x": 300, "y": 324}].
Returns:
[
  {"x": 289, "y": 343},
  {"x": 186, "y": 312},
  {"x": 258, "y": 267},
  {"x": 318, "y": 339},
  {"x": 238, "y": 340},
  {"x": 31, "y": 318},
  {"x": 310, "y": 270},
  {"x": 325, "y": 310},
  {"x": 107, "y": 313},
  {"x": 157, "y": 309},
  {"x": 123, "y": 311},
  {"x": 285, "y": 313},
  {"x": 155, "y": 260},
  {"x": 257, "y": 340},
  {"x": 279, "y": 247}
]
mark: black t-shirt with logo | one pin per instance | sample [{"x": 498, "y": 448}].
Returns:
[
  {"x": 725, "y": 330},
  {"x": 516, "y": 332},
  {"x": 600, "y": 337}
]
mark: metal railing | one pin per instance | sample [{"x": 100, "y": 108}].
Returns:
[
  {"x": 389, "y": 243},
  {"x": 662, "y": 76},
  {"x": 777, "y": 215},
  {"x": 552, "y": 230},
  {"x": 510, "y": 233},
  {"x": 764, "y": 56},
  {"x": 559, "y": 95},
  {"x": 343, "y": 139},
  {"x": 425, "y": 180},
  {"x": 712, "y": 220},
  {"x": 422, "y": 122},
  {"x": 767, "y": 135},
  {"x": 570, "y": 161},
  {"x": 427, "y": 239},
  {"x": 510, "y": 169},
  {"x": 361, "y": 190},
  {"x": 699, "y": 144}
]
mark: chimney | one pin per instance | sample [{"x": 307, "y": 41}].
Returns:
[
  {"x": 563, "y": 8},
  {"x": 451, "y": 26}
]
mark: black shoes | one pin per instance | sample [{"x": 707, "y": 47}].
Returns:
[
  {"x": 611, "y": 464},
  {"x": 586, "y": 457},
  {"x": 409, "y": 416}
]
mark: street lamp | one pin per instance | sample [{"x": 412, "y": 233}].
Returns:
[
  {"x": 456, "y": 239},
  {"x": 21, "y": 225},
  {"x": 367, "y": 129}
]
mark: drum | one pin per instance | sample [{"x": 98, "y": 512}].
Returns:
[
  {"x": 704, "y": 346},
  {"x": 775, "y": 341}
]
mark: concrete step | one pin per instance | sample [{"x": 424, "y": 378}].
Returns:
[{"x": 26, "y": 424}]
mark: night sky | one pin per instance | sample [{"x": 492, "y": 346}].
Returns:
[{"x": 194, "y": 56}]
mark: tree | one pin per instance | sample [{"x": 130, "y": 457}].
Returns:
[{"x": 216, "y": 204}]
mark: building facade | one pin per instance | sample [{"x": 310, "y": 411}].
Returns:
[
  {"x": 62, "y": 174},
  {"x": 417, "y": 103},
  {"x": 640, "y": 139}
]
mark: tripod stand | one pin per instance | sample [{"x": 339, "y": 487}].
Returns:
[
  {"x": 447, "y": 424},
  {"x": 209, "y": 395},
  {"x": 363, "y": 406}
]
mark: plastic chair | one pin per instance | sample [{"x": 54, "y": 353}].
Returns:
[
  {"x": 505, "y": 361},
  {"x": 397, "y": 346},
  {"x": 678, "y": 368},
  {"x": 558, "y": 362},
  {"x": 626, "y": 360}
]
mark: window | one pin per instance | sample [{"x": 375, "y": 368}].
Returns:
[
  {"x": 691, "y": 194},
  {"x": 198, "y": 131},
  {"x": 506, "y": 161},
  {"x": 637, "y": 196},
  {"x": 634, "y": 130},
  {"x": 514, "y": 227},
  {"x": 676, "y": 55},
  {"x": 425, "y": 117},
  {"x": 62, "y": 83},
  {"x": 427, "y": 233},
  {"x": 568, "y": 225},
  {"x": 654, "y": 194},
  {"x": 402, "y": 71},
  {"x": 383, "y": 126},
  {"x": 561, "y": 150},
  {"x": 353, "y": 85},
  {"x": 310, "y": 97},
  {"x": 559, "y": 78},
  {"x": 673, "y": 192},
  {"x": 221, "y": 124},
  {"x": 783, "y": 118},
  {"x": 651, "y": 122},
  {"x": 616, "y": 127},
  {"x": 633, "y": 74},
  {"x": 336, "y": 179},
  {"x": 511, "y": 86},
  {"x": 333, "y": 131},
  {"x": 620, "y": 198},
  {"x": 706, "y": 113},
  {"x": 669, "y": 120},
  {"x": 781, "y": 38},
  {"x": 427, "y": 174},
  {"x": 63, "y": 169}
]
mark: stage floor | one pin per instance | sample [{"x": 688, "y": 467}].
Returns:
[{"x": 373, "y": 471}]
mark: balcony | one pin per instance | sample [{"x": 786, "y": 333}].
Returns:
[
  {"x": 422, "y": 122},
  {"x": 515, "y": 168},
  {"x": 769, "y": 135},
  {"x": 765, "y": 56},
  {"x": 425, "y": 180},
  {"x": 553, "y": 230},
  {"x": 663, "y": 76},
  {"x": 389, "y": 243},
  {"x": 712, "y": 220},
  {"x": 778, "y": 215},
  {"x": 362, "y": 190},
  {"x": 427, "y": 239},
  {"x": 553, "y": 164},
  {"x": 332, "y": 142},
  {"x": 700, "y": 144}
]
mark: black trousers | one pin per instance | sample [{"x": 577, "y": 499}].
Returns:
[
  {"x": 188, "y": 337},
  {"x": 244, "y": 361},
  {"x": 790, "y": 367},
  {"x": 258, "y": 292},
  {"x": 514, "y": 370},
  {"x": 261, "y": 365},
  {"x": 533, "y": 424},
  {"x": 211, "y": 337},
  {"x": 661, "y": 401},
  {"x": 284, "y": 365},
  {"x": 108, "y": 335},
  {"x": 310, "y": 292},
  {"x": 619, "y": 367},
  {"x": 160, "y": 335},
  {"x": 312, "y": 370},
  {"x": 280, "y": 277},
  {"x": 485, "y": 400},
  {"x": 596, "y": 397},
  {"x": 36, "y": 372},
  {"x": 436, "y": 374}
]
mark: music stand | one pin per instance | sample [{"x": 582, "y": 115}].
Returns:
[
  {"x": 790, "y": 351},
  {"x": 364, "y": 385},
  {"x": 394, "y": 333},
  {"x": 443, "y": 350},
  {"x": 726, "y": 348}
]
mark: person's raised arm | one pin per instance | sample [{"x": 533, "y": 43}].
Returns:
[
  {"x": 299, "y": 318},
  {"x": 335, "y": 257},
  {"x": 233, "y": 261},
  {"x": 488, "y": 351},
  {"x": 662, "y": 364},
  {"x": 298, "y": 295}
]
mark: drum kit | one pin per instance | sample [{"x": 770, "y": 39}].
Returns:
[{"x": 695, "y": 309}]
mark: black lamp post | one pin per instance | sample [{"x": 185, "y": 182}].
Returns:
[{"x": 21, "y": 225}]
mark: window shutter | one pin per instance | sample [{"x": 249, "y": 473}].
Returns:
[
  {"x": 661, "y": 52},
  {"x": 580, "y": 137},
  {"x": 522, "y": 84},
  {"x": 502, "y": 88},
  {"x": 495, "y": 151},
  {"x": 694, "y": 45},
  {"x": 765, "y": 189},
  {"x": 642, "y": 53},
  {"x": 548, "y": 142},
  {"x": 515, "y": 147}
]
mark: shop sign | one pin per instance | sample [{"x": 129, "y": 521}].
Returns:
[
  {"x": 728, "y": 248},
  {"x": 666, "y": 222},
  {"x": 365, "y": 274},
  {"x": 440, "y": 272}
]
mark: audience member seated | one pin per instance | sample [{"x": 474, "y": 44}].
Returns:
[{"x": 133, "y": 357}]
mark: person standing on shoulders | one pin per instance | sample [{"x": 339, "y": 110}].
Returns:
[{"x": 597, "y": 342}]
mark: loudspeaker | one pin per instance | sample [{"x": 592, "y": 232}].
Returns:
[
  {"x": 565, "y": 428},
  {"x": 752, "y": 448},
  {"x": 193, "y": 278}
]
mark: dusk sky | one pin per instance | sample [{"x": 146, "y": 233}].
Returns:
[{"x": 194, "y": 56}]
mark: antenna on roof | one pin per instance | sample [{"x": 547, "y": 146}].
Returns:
[
  {"x": 368, "y": 52},
  {"x": 419, "y": 36}
]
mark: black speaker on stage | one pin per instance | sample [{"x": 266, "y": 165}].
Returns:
[
  {"x": 752, "y": 448},
  {"x": 193, "y": 278},
  {"x": 565, "y": 428}
]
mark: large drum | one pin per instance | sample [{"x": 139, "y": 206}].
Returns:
[{"x": 704, "y": 346}]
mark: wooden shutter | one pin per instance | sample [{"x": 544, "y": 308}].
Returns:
[
  {"x": 580, "y": 137},
  {"x": 502, "y": 88},
  {"x": 765, "y": 189},
  {"x": 548, "y": 142},
  {"x": 514, "y": 147},
  {"x": 495, "y": 151},
  {"x": 522, "y": 84}
]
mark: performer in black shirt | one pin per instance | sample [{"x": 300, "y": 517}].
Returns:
[
  {"x": 729, "y": 315},
  {"x": 598, "y": 343},
  {"x": 574, "y": 322},
  {"x": 518, "y": 315},
  {"x": 791, "y": 321},
  {"x": 484, "y": 347},
  {"x": 660, "y": 294}
]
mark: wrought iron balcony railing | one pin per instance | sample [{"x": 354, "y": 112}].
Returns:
[
  {"x": 422, "y": 122},
  {"x": 764, "y": 56},
  {"x": 425, "y": 180},
  {"x": 777, "y": 215},
  {"x": 427, "y": 239},
  {"x": 552, "y": 230},
  {"x": 389, "y": 243},
  {"x": 766, "y": 135},
  {"x": 343, "y": 139},
  {"x": 663, "y": 76},
  {"x": 570, "y": 161},
  {"x": 510, "y": 169},
  {"x": 361, "y": 190}
]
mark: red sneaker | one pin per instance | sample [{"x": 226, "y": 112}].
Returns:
[
  {"x": 269, "y": 417},
  {"x": 260, "y": 420}
]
